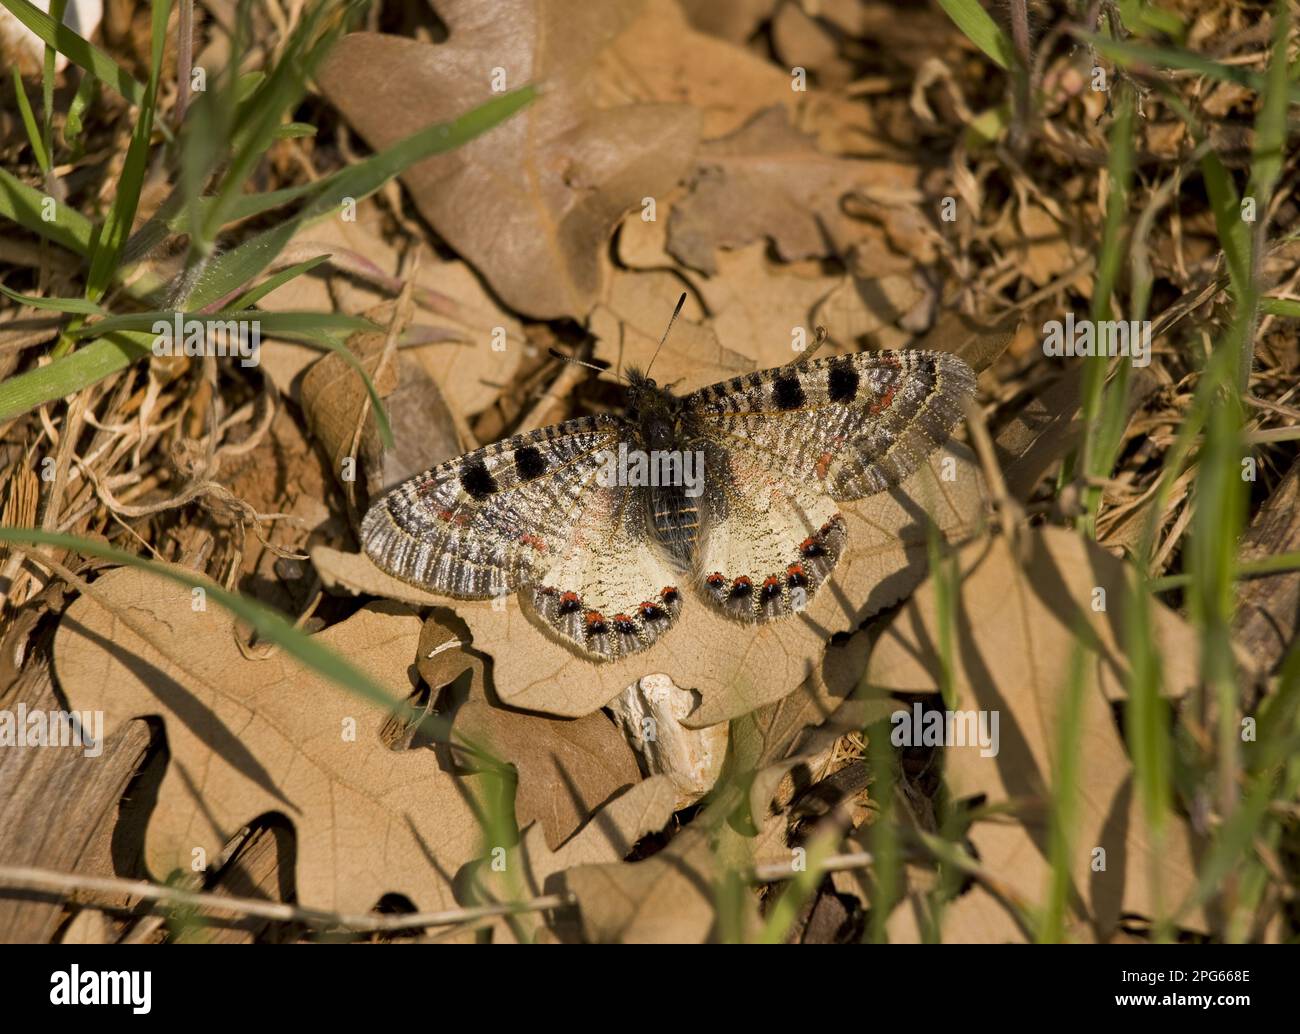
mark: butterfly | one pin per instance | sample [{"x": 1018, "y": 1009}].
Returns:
[{"x": 612, "y": 538}]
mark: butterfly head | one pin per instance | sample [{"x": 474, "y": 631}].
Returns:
[{"x": 654, "y": 409}]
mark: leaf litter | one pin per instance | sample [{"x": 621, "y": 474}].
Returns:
[{"x": 777, "y": 211}]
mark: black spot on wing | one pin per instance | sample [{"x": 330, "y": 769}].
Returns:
[
  {"x": 787, "y": 392},
  {"x": 529, "y": 462},
  {"x": 476, "y": 480},
  {"x": 843, "y": 382}
]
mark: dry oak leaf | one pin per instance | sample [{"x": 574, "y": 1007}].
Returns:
[
  {"x": 461, "y": 336},
  {"x": 768, "y": 310},
  {"x": 769, "y": 180},
  {"x": 735, "y": 668},
  {"x": 761, "y": 313},
  {"x": 247, "y": 737},
  {"x": 334, "y": 398},
  {"x": 1013, "y": 640},
  {"x": 668, "y": 898},
  {"x": 567, "y": 767},
  {"x": 607, "y": 838},
  {"x": 775, "y": 738},
  {"x": 735, "y": 20},
  {"x": 629, "y": 324},
  {"x": 661, "y": 57},
  {"x": 532, "y": 203},
  {"x": 974, "y": 917}
]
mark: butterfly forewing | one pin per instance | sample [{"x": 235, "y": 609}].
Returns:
[
  {"x": 494, "y": 519},
  {"x": 850, "y": 425}
]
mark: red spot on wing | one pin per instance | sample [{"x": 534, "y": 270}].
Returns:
[
  {"x": 879, "y": 405},
  {"x": 824, "y": 465},
  {"x": 534, "y": 541}
]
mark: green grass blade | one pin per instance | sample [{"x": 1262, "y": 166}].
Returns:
[
  {"x": 981, "y": 30},
  {"x": 117, "y": 225},
  {"x": 74, "y": 305},
  {"x": 1065, "y": 798},
  {"x": 57, "y": 10},
  {"x": 29, "y": 123},
  {"x": 1127, "y": 54},
  {"x": 25, "y": 206},
  {"x": 231, "y": 270},
  {"x": 281, "y": 278},
  {"x": 260, "y": 117},
  {"x": 1270, "y": 124},
  {"x": 279, "y": 323},
  {"x": 1233, "y": 231},
  {"x": 77, "y": 50},
  {"x": 72, "y": 124},
  {"x": 1286, "y": 307},
  {"x": 62, "y": 377},
  {"x": 1104, "y": 406}
]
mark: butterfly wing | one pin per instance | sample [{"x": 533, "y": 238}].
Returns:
[
  {"x": 494, "y": 519},
  {"x": 784, "y": 444},
  {"x": 852, "y": 425},
  {"x": 532, "y": 511},
  {"x": 613, "y": 591}
]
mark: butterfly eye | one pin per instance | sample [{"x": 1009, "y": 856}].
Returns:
[{"x": 650, "y": 381}]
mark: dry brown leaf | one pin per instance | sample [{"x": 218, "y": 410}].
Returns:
[
  {"x": 1014, "y": 634},
  {"x": 660, "y": 57},
  {"x": 356, "y": 574},
  {"x": 629, "y": 325},
  {"x": 247, "y": 737},
  {"x": 978, "y": 343},
  {"x": 735, "y": 20},
  {"x": 769, "y": 180},
  {"x": 335, "y": 400},
  {"x": 804, "y": 41},
  {"x": 975, "y": 917},
  {"x": 609, "y": 836},
  {"x": 757, "y": 306},
  {"x": 765, "y": 309},
  {"x": 667, "y": 898},
  {"x": 454, "y": 312},
  {"x": 774, "y": 739},
  {"x": 567, "y": 768},
  {"x": 1039, "y": 247},
  {"x": 606, "y": 839},
  {"x": 532, "y": 202}
]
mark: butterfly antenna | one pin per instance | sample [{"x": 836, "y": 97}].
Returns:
[
  {"x": 555, "y": 353},
  {"x": 808, "y": 353},
  {"x": 673, "y": 319}
]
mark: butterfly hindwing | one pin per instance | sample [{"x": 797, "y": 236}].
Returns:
[
  {"x": 853, "y": 425},
  {"x": 614, "y": 591},
  {"x": 494, "y": 519},
  {"x": 769, "y": 543}
]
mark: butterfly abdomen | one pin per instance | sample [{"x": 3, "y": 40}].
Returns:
[{"x": 676, "y": 520}]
